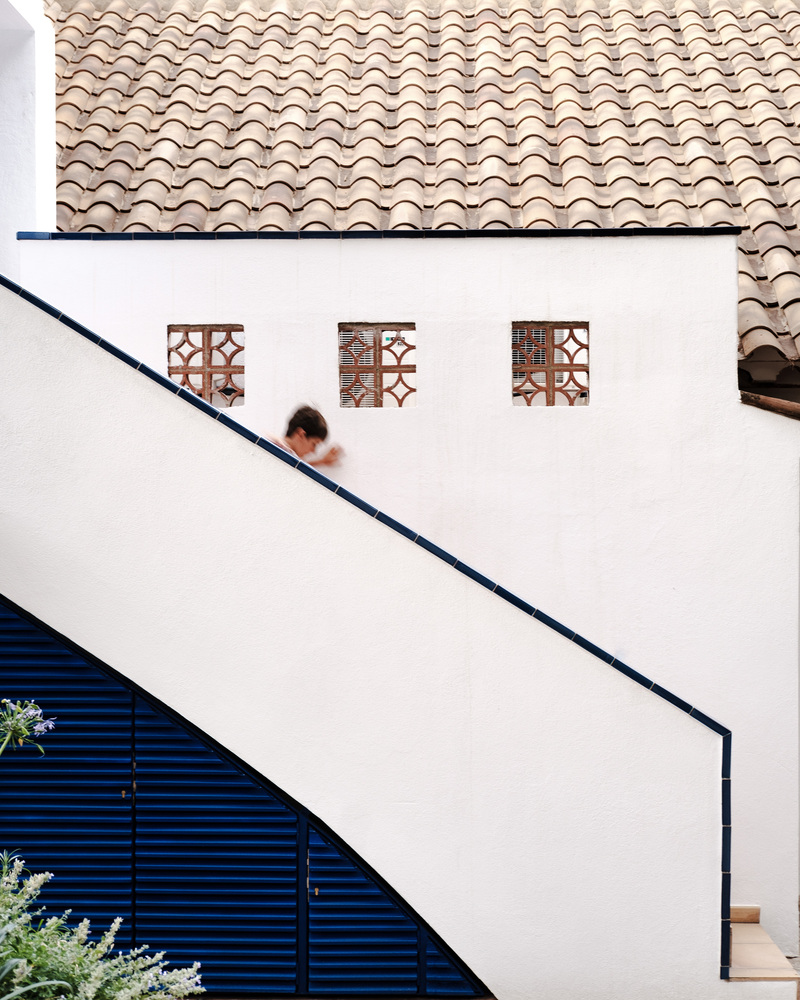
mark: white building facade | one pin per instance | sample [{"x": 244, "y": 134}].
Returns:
[{"x": 658, "y": 519}]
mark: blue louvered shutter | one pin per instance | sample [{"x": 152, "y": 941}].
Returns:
[
  {"x": 442, "y": 977},
  {"x": 359, "y": 940},
  {"x": 216, "y": 863},
  {"x": 69, "y": 811}
]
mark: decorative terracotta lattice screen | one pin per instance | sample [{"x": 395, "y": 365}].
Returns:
[
  {"x": 209, "y": 360},
  {"x": 377, "y": 364},
  {"x": 550, "y": 364}
]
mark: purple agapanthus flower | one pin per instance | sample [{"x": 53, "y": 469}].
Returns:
[{"x": 21, "y": 720}]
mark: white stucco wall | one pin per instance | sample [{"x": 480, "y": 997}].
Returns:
[
  {"x": 27, "y": 126},
  {"x": 660, "y": 521},
  {"x": 558, "y": 824}
]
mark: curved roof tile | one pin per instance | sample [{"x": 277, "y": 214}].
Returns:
[{"x": 287, "y": 114}]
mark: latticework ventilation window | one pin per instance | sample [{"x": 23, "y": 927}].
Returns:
[
  {"x": 209, "y": 360},
  {"x": 550, "y": 364},
  {"x": 377, "y": 364}
]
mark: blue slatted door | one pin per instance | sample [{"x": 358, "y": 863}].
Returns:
[
  {"x": 69, "y": 811},
  {"x": 361, "y": 942},
  {"x": 216, "y": 863},
  {"x": 442, "y": 977}
]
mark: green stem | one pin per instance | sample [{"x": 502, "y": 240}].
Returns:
[{"x": 5, "y": 743}]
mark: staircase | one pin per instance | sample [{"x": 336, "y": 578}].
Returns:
[{"x": 754, "y": 955}]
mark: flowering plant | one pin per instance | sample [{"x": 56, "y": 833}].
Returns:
[
  {"x": 50, "y": 961},
  {"x": 19, "y": 721}
]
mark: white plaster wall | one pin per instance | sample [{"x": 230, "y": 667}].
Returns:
[
  {"x": 27, "y": 126},
  {"x": 557, "y": 824},
  {"x": 661, "y": 521}
]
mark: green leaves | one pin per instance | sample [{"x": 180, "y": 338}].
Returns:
[{"x": 46, "y": 959}]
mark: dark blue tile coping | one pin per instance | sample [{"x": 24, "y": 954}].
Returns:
[
  {"x": 595, "y": 650},
  {"x": 725, "y": 970},
  {"x": 390, "y": 522},
  {"x": 236, "y": 427},
  {"x": 436, "y": 550},
  {"x": 726, "y": 849},
  {"x": 356, "y": 501},
  {"x": 118, "y": 353},
  {"x": 528, "y": 609},
  {"x": 725, "y": 950},
  {"x": 726, "y": 756},
  {"x": 726, "y": 801},
  {"x": 12, "y": 286},
  {"x": 633, "y": 674},
  {"x": 153, "y": 236},
  {"x": 191, "y": 397},
  {"x": 484, "y": 234},
  {"x": 312, "y": 473},
  {"x": 726, "y": 896},
  {"x": 410, "y": 234},
  {"x": 684, "y": 706},
  {"x": 271, "y": 234},
  {"x": 159, "y": 379},
  {"x": 540, "y": 616},
  {"x": 451, "y": 234},
  {"x": 708, "y": 721},
  {"x": 82, "y": 330},
  {"x": 277, "y": 452},
  {"x": 234, "y": 234},
  {"x": 473, "y": 574},
  {"x": 116, "y": 237},
  {"x": 40, "y": 303}
]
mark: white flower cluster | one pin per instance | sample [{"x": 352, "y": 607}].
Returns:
[{"x": 51, "y": 960}]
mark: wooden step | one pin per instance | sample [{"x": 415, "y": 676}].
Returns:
[{"x": 754, "y": 955}]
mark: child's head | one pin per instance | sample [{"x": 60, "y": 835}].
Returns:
[
  {"x": 310, "y": 420},
  {"x": 306, "y": 429}
]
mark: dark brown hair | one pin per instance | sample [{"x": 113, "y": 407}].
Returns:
[{"x": 311, "y": 421}]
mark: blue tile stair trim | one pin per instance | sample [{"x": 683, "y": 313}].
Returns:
[
  {"x": 451, "y": 560},
  {"x": 394, "y": 234}
]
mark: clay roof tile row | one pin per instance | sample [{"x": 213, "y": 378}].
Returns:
[{"x": 202, "y": 115}]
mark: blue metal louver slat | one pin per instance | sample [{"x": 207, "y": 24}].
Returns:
[
  {"x": 69, "y": 811},
  {"x": 359, "y": 940},
  {"x": 216, "y": 863},
  {"x": 442, "y": 977}
]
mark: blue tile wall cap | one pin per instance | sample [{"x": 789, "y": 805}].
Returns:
[
  {"x": 312, "y": 473},
  {"x": 523, "y": 606},
  {"x": 39, "y": 303},
  {"x": 473, "y": 574},
  {"x": 709, "y": 722},
  {"x": 397, "y": 526},
  {"x": 356, "y": 501},
  {"x": 12, "y": 286},
  {"x": 335, "y": 234}
]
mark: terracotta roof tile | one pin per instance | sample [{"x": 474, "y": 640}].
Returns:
[{"x": 281, "y": 114}]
